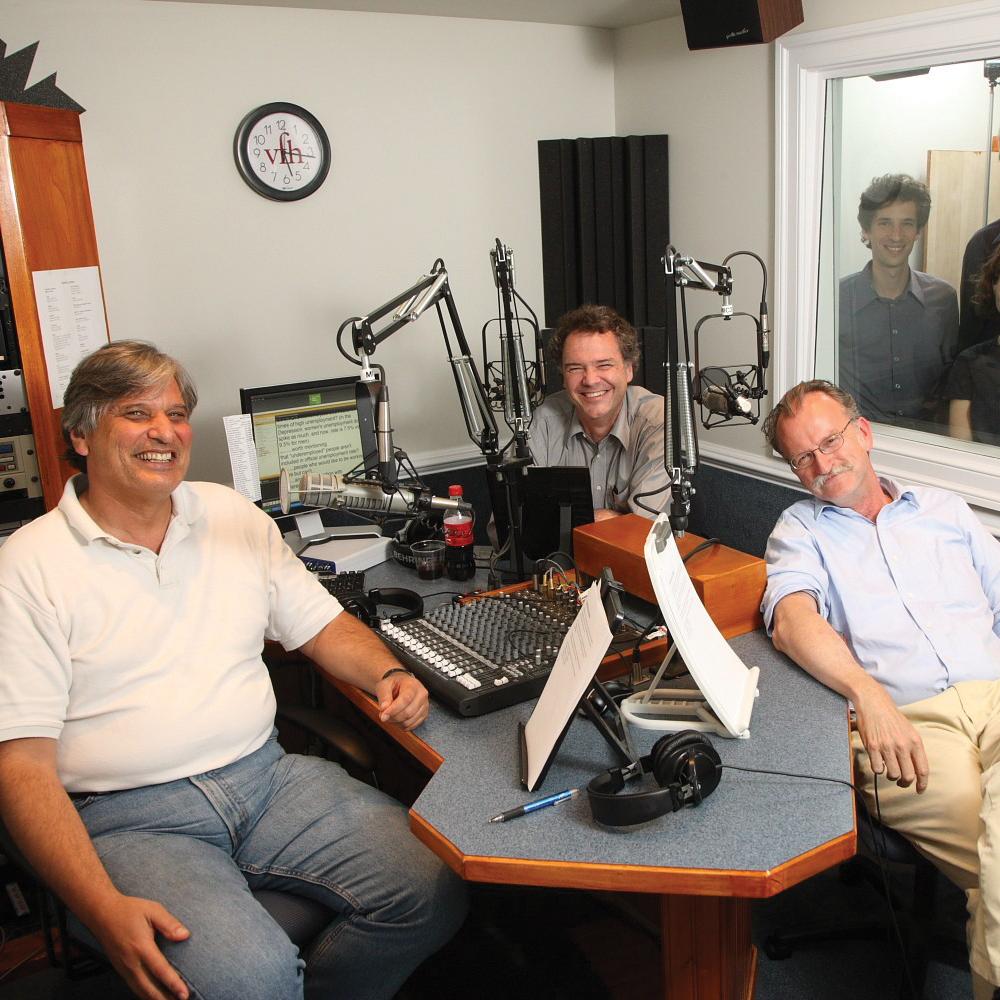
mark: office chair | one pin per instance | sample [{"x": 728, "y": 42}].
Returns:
[{"x": 916, "y": 921}]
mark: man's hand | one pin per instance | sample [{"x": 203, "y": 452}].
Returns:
[
  {"x": 893, "y": 744},
  {"x": 604, "y": 513},
  {"x": 402, "y": 699},
  {"x": 126, "y": 932}
]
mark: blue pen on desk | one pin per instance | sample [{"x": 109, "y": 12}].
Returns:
[{"x": 530, "y": 807}]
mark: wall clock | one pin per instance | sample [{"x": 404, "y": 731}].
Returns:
[{"x": 282, "y": 151}]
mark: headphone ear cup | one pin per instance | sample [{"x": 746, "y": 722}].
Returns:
[
  {"x": 361, "y": 607},
  {"x": 672, "y": 756},
  {"x": 410, "y": 601}
]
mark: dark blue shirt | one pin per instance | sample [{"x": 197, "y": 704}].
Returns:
[{"x": 894, "y": 352}]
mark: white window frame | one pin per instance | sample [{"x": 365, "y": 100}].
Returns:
[{"x": 803, "y": 65}]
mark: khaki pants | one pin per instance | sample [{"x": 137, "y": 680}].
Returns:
[{"x": 956, "y": 821}]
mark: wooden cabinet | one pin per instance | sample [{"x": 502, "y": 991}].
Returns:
[
  {"x": 730, "y": 583},
  {"x": 45, "y": 223}
]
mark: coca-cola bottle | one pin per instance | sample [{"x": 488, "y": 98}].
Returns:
[{"x": 459, "y": 552}]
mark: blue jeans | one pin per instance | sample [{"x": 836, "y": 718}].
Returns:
[{"x": 297, "y": 824}]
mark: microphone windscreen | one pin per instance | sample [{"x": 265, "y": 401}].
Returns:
[{"x": 283, "y": 498}]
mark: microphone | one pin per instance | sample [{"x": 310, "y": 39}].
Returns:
[
  {"x": 765, "y": 334},
  {"x": 720, "y": 396},
  {"x": 383, "y": 440},
  {"x": 317, "y": 489}
]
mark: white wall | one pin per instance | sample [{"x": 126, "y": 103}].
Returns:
[
  {"x": 717, "y": 106},
  {"x": 433, "y": 123},
  {"x": 889, "y": 126}
]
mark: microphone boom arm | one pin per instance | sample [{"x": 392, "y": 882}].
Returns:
[
  {"x": 405, "y": 308},
  {"x": 680, "y": 443}
]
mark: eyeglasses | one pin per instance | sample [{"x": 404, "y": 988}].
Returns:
[{"x": 827, "y": 446}]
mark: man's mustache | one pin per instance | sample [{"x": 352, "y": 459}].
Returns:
[{"x": 820, "y": 481}]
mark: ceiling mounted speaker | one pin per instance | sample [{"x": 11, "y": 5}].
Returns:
[{"x": 712, "y": 24}]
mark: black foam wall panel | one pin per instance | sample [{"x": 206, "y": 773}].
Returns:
[{"x": 605, "y": 224}]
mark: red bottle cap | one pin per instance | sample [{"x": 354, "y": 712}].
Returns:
[{"x": 454, "y": 491}]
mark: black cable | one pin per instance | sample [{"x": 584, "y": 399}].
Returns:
[
  {"x": 763, "y": 268},
  {"x": 534, "y": 316},
  {"x": 567, "y": 557},
  {"x": 880, "y": 855},
  {"x": 708, "y": 543},
  {"x": 350, "y": 321},
  {"x": 637, "y": 499}
]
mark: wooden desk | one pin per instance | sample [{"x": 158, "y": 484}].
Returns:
[
  {"x": 755, "y": 836},
  {"x": 729, "y": 583}
]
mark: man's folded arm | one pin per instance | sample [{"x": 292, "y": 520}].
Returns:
[{"x": 893, "y": 744}]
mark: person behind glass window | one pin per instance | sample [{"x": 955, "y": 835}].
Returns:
[
  {"x": 974, "y": 381},
  {"x": 898, "y": 327},
  {"x": 977, "y": 325}
]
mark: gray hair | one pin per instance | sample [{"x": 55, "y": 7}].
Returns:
[
  {"x": 116, "y": 371},
  {"x": 792, "y": 400}
]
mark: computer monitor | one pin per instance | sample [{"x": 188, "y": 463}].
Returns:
[
  {"x": 313, "y": 426},
  {"x": 553, "y": 500}
]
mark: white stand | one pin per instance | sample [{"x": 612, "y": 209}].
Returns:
[
  {"x": 726, "y": 689},
  {"x": 312, "y": 531},
  {"x": 670, "y": 709}
]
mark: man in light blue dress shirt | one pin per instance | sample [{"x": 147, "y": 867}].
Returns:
[{"x": 890, "y": 595}]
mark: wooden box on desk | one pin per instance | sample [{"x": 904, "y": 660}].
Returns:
[{"x": 729, "y": 583}]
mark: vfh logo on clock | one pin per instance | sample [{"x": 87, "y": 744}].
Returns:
[{"x": 282, "y": 151}]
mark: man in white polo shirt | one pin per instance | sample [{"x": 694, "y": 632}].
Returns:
[{"x": 139, "y": 770}]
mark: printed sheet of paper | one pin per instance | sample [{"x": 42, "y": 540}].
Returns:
[
  {"x": 721, "y": 676},
  {"x": 582, "y": 650},
  {"x": 242, "y": 455},
  {"x": 71, "y": 316}
]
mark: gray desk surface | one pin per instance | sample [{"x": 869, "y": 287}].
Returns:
[{"x": 751, "y": 823}]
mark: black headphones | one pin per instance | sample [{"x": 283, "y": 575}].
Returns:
[
  {"x": 365, "y": 606},
  {"x": 686, "y": 767}
]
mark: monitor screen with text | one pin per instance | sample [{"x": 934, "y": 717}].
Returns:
[{"x": 305, "y": 427}]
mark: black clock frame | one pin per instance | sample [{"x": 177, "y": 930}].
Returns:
[{"x": 248, "y": 170}]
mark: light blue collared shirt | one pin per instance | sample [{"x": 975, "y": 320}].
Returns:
[{"x": 916, "y": 595}]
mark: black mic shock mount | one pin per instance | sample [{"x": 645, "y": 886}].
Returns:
[{"x": 726, "y": 393}]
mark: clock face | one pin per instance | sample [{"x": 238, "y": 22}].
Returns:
[{"x": 282, "y": 151}]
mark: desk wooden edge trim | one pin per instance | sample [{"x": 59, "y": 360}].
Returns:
[
  {"x": 633, "y": 878},
  {"x": 409, "y": 741}
]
